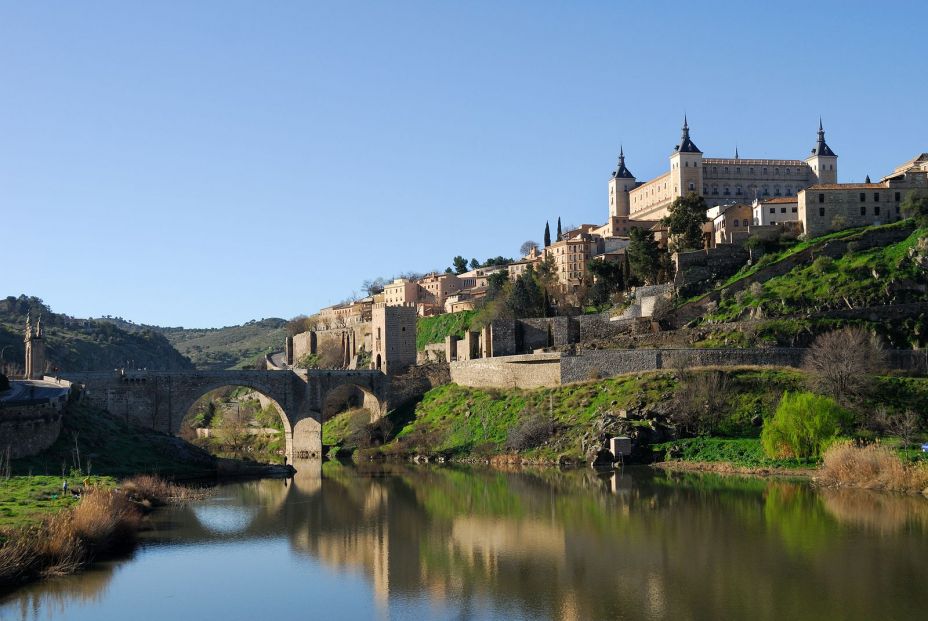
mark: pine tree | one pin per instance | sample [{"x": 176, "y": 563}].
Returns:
[{"x": 547, "y": 235}]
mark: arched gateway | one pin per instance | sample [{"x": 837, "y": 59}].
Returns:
[{"x": 161, "y": 399}]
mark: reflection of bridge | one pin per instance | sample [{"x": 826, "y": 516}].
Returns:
[{"x": 304, "y": 398}]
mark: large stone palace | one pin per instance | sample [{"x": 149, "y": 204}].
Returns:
[{"x": 717, "y": 180}]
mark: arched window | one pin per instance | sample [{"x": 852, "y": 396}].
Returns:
[
  {"x": 715, "y": 190},
  {"x": 776, "y": 191},
  {"x": 738, "y": 190},
  {"x": 727, "y": 191}
]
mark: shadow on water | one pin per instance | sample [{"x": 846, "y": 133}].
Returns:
[{"x": 474, "y": 543}]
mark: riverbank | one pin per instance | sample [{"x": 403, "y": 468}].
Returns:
[{"x": 104, "y": 522}]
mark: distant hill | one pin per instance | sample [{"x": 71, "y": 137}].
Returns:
[
  {"x": 84, "y": 344},
  {"x": 231, "y": 347}
]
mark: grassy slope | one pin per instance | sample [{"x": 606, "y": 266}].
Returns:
[
  {"x": 435, "y": 329},
  {"x": 850, "y": 277},
  {"x": 114, "y": 447},
  {"x": 458, "y": 420},
  {"x": 23, "y": 499}
]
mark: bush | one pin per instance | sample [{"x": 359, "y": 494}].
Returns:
[
  {"x": 872, "y": 466},
  {"x": 803, "y": 425},
  {"x": 822, "y": 264},
  {"x": 529, "y": 433}
]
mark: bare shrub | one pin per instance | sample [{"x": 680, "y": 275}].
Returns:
[
  {"x": 531, "y": 431},
  {"x": 105, "y": 518},
  {"x": 156, "y": 491},
  {"x": 841, "y": 363},
  {"x": 699, "y": 400},
  {"x": 872, "y": 466}
]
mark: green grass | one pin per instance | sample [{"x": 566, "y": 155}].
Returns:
[
  {"x": 435, "y": 329},
  {"x": 746, "y": 452},
  {"x": 863, "y": 278},
  {"x": 24, "y": 499},
  {"x": 109, "y": 445}
]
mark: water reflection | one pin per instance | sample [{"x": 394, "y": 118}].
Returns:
[{"x": 458, "y": 543}]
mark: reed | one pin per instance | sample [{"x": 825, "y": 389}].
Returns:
[{"x": 872, "y": 467}]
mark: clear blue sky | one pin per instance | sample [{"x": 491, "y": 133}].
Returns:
[{"x": 206, "y": 163}]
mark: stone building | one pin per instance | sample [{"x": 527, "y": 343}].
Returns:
[
  {"x": 401, "y": 292},
  {"x": 393, "y": 338},
  {"x": 571, "y": 254},
  {"x": 834, "y": 206},
  {"x": 779, "y": 210},
  {"x": 517, "y": 268},
  {"x": 728, "y": 224},
  {"x": 718, "y": 180},
  {"x": 35, "y": 349},
  {"x": 348, "y": 313}
]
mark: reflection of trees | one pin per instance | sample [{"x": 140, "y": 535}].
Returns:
[
  {"x": 878, "y": 512},
  {"x": 55, "y": 596}
]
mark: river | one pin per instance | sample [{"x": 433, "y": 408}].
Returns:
[{"x": 402, "y": 542}]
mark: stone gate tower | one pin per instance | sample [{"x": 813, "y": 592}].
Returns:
[{"x": 35, "y": 349}]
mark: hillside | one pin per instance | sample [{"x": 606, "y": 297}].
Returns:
[
  {"x": 84, "y": 344},
  {"x": 229, "y": 347},
  {"x": 876, "y": 276}
]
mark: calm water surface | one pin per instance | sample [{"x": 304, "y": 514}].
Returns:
[{"x": 398, "y": 542}]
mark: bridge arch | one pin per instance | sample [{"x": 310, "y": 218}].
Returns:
[{"x": 194, "y": 394}]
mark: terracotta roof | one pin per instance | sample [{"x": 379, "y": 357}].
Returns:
[
  {"x": 782, "y": 199},
  {"x": 847, "y": 186}
]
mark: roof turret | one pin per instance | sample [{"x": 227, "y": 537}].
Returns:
[{"x": 686, "y": 144}]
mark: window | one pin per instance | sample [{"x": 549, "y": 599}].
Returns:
[
  {"x": 765, "y": 170},
  {"x": 738, "y": 190},
  {"x": 773, "y": 210},
  {"x": 821, "y": 212},
  {"x": 738, "y": 169},
  {"x": 727, "y": 191},
  {"x": 863, "y": 197},
  {"x": 876, "y": 197},
  {"x": 898, "y": 197},
  {"x": 726, "y": 170},
  {"x": 776, "y": 171},
  {"x": 782, "y": 209},
  {"x": 795, "y": 210},
  {"x": 876, "y": 210},
  {"x": 736, "y": 222},
  {"x": 863, "y": 210},
  {"x": 692, "y": 186},
  {"x": 821, "y": 198}
]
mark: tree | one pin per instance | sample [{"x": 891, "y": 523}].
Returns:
[
  {"x": 803, "y": 425},
  {"x": 526, "y": 248},
  {"x": 525, "y": 298},
  {"x": 684, "y": 221},
  {"x": 841, "y": 363},
  {"x": 547, "y": 235},
  {"x": 474, "y": 264},
  {"x": 499, "y": 261},
  {"x": 915, "y": 205},
  {"x": 448, "y": 270},
  {"x": 460, "y": 264},
  {"x": 375, "y": 286},
  {"x": 559, "y": 234},
  {"x": 607, "y": 279},
  {"x": 643, "y": 256},
  {"x": 496, "y": 283}
]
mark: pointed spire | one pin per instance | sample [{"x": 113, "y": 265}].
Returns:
[
  {"x": 621, "y": 172},
  {"x": 686, "y": 145},
  {"x": 821, "y": 148},
  {"x": 867, "y": 180}
]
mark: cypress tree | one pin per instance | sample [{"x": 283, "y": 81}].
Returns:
[
  {"x": 559, "y": 228},
  {"x": 547, "y": 235}
]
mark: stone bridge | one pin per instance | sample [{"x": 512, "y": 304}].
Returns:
[{"x": 305, "y": 398}]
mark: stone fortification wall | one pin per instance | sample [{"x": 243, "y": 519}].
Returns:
[
  {"x": 527, "y": 371},
  {"x": 549, "y": 331},
  {"x": 610, "y": 362},
  {"x": 350, "y": 339},
  {"x": 555, "y": 369},
  {"x": 27, "y": 430},
  {"x": 702, "y": 267}
]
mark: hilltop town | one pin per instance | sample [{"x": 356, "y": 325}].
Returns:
[{"x": 654, "y": 274}]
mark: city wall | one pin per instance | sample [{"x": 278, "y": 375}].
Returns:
[{"x": 556, "y": 369}]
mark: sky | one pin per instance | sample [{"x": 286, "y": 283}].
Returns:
[{"x": 202, "y": 164}]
